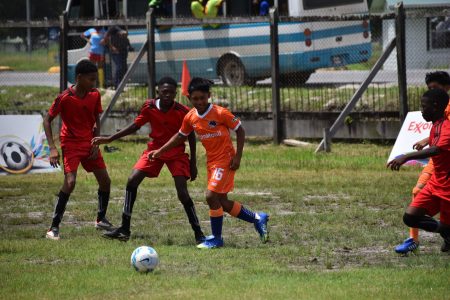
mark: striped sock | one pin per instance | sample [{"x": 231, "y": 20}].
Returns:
[
  {"x": 241, "y": 212},
  {"x": 216, "y": 217},
  {"x": 130, "y": 197}
]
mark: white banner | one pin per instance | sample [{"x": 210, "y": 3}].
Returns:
[
  {"x": 414, "y": 129},
  {"x": 23, "y": 145}
]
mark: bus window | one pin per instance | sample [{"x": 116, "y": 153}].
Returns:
[{"x": 315, "y": 4}]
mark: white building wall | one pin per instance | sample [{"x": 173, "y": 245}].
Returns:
[{"x": 417, "y": 55}]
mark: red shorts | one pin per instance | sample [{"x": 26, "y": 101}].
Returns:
[
  {"x": 74, "y": 155},
  {"x": 220, "y": 178},
  {"x": 96, "y": 57},
  {"x": 178, "y": 165},
  {"x": 433, "y": 203}
]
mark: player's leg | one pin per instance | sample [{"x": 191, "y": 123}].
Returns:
[
  {"x": 61, "y": 203},
  {"x": 216, "y": 218},
  {"x": 412, "y": 243},
  {"x": 444, "y": 228},
  {"x": 123, "y": 232},
  {"x": 104, "y": 188},
  {"x": 189, "y": 208},
  {"x": 237, "y": 210},
  {"x": 71, "y": 161}
]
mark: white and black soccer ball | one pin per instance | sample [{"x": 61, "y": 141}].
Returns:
[
  {"x": 144, "y": 259},
  {"x": 16, "y": 156}
]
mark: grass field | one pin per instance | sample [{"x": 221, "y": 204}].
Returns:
[
  {"x": 335, "y": 219},
  {"x": 243, "y": 99}
]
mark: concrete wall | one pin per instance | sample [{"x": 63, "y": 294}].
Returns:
[{"x": 310, "y": 126}]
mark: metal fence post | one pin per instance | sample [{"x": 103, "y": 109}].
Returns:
[
  {"x": 401, "y": 59},
  {"x": 275, "y": 72},
  {"x": 151, "y": 24},
  {"x": 327, "y": 140},
  {"x": 63, "y": 47}
]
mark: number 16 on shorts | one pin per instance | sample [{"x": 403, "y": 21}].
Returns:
[{"x": 218, "y": 173}]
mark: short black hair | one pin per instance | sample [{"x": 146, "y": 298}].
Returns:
[
  {"x": 167, "y": 80},
  {"x": 438, "y": 96},
  {"x": 441, "y": 77},
  {"x": 85, "y": 66},
  {"x": 200, "y": 84}
]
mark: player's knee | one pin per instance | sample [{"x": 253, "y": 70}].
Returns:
[
  {"x": 105, "y": 183},
  {"x": 133, "y": 181},
  {"x": 410, "y": 220},
  {"x": 70, "y": 184}
]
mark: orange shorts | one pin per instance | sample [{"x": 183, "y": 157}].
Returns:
[
  {"x": 178, "y": 165},
  {"x": 220, "y": 178},
  {"x": 74, "y": 155}
]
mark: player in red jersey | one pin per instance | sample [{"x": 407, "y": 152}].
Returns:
[
  {"x": 435, "y": 196},
  {"x": 79, "y": 107},
  {"x": 434, "y": 80},
  {"x": 212, "y": 124},
  {"x": 165, "y": 117}
]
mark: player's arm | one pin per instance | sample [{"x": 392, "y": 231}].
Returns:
[
  {"x": 193, "y": 158},
  {"x": 96, "y": 132},
  {"x": 54, "y": 154},
  {"x": 395, "y": 164},
  {"x": 240, "y": 140},
  {"x": 132, "y": 128},
  {"x": 174, "y": 141},
  {"x": 421, "y": 144}
]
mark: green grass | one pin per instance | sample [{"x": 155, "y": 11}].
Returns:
[
  {"x": 242, "y": 99},
  {"x": 335, "y": 219},
  {"x": 38, "y": 60}
]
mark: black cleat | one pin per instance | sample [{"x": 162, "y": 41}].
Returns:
[
  {"x": 103, "y": 224},
  {"x": 446, "y": 245},
  {"x": 199, "y": 237},
  {"x": 120, "y": 234}
]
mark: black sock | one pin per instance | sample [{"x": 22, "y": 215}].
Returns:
[
  {"x": 444, "y": 231},
  {"x": 130, "y": 197},
  {"x": 189, "y": 208},
  {"x": 60, "y": 208},
  {"x": 423, "y": 222},
  {"x": 103, "y": 200}
]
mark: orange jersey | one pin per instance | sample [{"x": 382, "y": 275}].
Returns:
[
  {"x": 447, "y": 111},
  {"x": 213, "y": 130}
]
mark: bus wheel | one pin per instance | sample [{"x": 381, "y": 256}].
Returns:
[{"x": 232, "y": 71}]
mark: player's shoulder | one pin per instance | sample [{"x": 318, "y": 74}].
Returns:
[
  {"x": 95, "y": 92},
  {"x": 181, "y": 108},
  {"x": 65, "y": 94},
  {"x": 149, "y": 104}
]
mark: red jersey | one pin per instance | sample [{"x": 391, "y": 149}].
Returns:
[
  {"x": 213, "y": 130},
  {"x": 440, "y": 137},
  {"x": 78, "y": 115},
  {"x": 163, "y": 125}
]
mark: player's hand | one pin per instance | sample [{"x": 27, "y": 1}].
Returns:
[
  {"x": 93, "y": 154},
  {"x": 54, "y": 157},
  {"x": 235, "y": 163},
  {"x": 98, "y": 140},
  {"x": 421, "y": 144},
  {"x": 395, "y": 164},
  {"x": 193, "y": 168},
  {"x": 153, "y": 154}
]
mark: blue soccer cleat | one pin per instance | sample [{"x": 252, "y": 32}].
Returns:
[
  {"x": 211, "y": 244},
  {"x": 261, "y": 226},
  {"x": 409, "y": 245}
]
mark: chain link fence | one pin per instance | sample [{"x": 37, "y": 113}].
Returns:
[{"x": 322, "y": 63}]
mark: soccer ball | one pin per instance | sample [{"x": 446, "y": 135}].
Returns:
[
  {"x": 144, "y": 259},
  {"x": 16, "y": 156}
]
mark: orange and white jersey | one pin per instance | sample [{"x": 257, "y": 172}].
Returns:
[{"x": 213, "y": 130}]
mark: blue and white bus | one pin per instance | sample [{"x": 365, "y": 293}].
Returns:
[{"x": 240, "y": 53}]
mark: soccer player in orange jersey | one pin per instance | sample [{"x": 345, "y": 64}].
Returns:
[
  {"x": 434, "y": 80},
  {"x": 79, "y": 107},
  {"x": 212, "y": 124},
  {"x": 435, "y": 196},
  {"x": 165, "y": 117}
]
